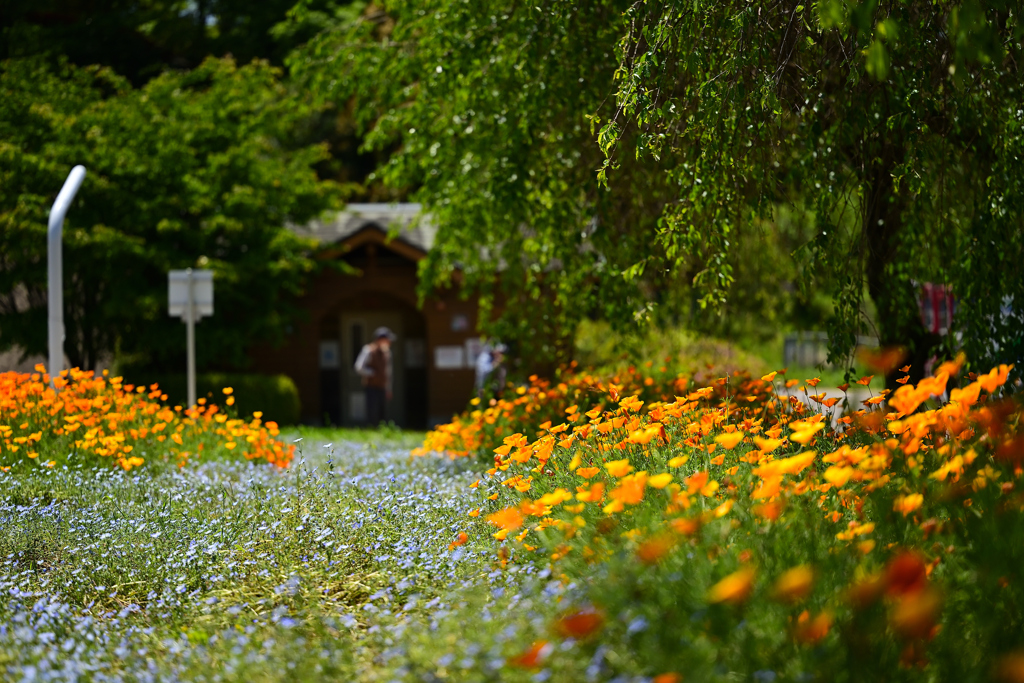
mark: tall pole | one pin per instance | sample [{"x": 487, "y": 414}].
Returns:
[
  {"x": 190, "y": 331},
  {"x": 55, "y": 268}
]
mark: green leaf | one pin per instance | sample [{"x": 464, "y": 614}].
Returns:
[{"x": 876, "y": 60}]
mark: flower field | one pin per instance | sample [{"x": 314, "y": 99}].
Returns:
[
  {"x": 622, "y": 530},
  {"x": 730, "y": 532},
  {"x": 526, "y": 408},
  {"x": 91, "y": 419}
]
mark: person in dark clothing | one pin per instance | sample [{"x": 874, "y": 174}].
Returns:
[{"x": 375, "y": 367}]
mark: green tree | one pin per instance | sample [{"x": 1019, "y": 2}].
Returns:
[
  {"x": 192, "y": 169},
  {"x": 892, "y": 128},
  {"x": 487, "y": 106},
  {"x": 139, "y": 39},
  {"x": 898, "y": 122}
]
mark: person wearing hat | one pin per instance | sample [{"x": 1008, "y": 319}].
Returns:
[
  {"x": 374, "y": 366},
  {"x": 490, "y": 370}
]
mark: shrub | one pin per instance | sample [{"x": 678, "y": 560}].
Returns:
[
  {"x": 599, "y": 347},
  {"x": 276, "y": 396}
]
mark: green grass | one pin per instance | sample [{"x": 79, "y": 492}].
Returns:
[
  {"x": 771, "y": 353},
  {"x": 388, "y": 434}
]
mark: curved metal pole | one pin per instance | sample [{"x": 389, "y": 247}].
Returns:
[{"x": 55, "y": 267}]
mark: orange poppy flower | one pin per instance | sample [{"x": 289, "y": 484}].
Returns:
[
  {"x": 790, "y": 465},
  {"x": 907, "y": 504},
  {"x": 684, "y": 526},
  {"x": 594, "y": 494},
  {"x": 630, "y": 489},
  {"x": 769, "y": 511},
  {"x": 461, "y": 540},
  {"x": 618, "y": 468},
  {"x": 729, "y": 440},
  {"x": 768, "y": 488},
  {"x": 508, "y": 519},
  {"x": 767, "y": 445},
  {"x": 654, "y": 549},
  {"x": 734, "y": 588},
  {"x": 533, "y": 657},
  {"x": 906, "y": 573},
  {"x": 1010, "y": 668},
  {"x": 811, "y": 630},
  {"x": 580, "y": 624},
  {"x": 660, "y": 481},
  {"x": 793, "y": 585},
  {"x": 838, "y": 476}
]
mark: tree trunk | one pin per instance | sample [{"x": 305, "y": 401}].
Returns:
[{"x": 895, "y": 297}]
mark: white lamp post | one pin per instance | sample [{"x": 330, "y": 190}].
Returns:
[
  {"x": 55, "y": 268},
  {"x": 190, "y": 295}
]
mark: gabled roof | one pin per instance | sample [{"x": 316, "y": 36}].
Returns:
[{"x": 359, "y": 223}]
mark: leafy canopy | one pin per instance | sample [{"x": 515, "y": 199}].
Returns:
[
  {"x": 487, "y": 106},
  {"x": 192, "y": 170},
  {"x": 891, "y": 129},
  {"x": 898, "y": 123},
  {"x": 141, "y": 38}
]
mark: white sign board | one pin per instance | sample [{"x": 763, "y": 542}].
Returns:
[
  {"x": 178, "y": 295},
  {"x": 449, "y": 357}
]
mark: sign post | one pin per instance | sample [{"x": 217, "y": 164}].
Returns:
[
  {"x": 190, "y": 295},
  {"x": 55, "y": 268}
]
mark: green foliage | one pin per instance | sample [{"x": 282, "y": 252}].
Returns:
[
  {"x": 896, "y": 123},
  {"x": 193, "y": 169},
  {"x": 276, "y": 396},
  {"x": 602, "y": 350},
  {"x": 141, "y": 38},
  {"x": 889, "y": 131},
  {"x": 490, "y": 109}
]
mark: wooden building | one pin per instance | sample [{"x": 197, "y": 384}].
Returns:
[{"x": 435, "y": 352}]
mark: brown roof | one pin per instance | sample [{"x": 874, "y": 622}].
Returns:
[{"x": 403, "y": 223}]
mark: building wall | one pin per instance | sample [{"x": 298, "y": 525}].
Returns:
[
  {"x": 449, "y": 389},
  {"x": 449, "y": 322}
]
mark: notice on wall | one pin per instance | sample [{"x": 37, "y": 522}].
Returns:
[
  {"x": 329, "y": 355},
  {"x": 449, "y": 357}
]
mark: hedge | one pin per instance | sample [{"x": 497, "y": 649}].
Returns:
[{"x": 276, "y": 396}]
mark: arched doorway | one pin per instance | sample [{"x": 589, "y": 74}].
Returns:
[{"x": 344, "y": 329}]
